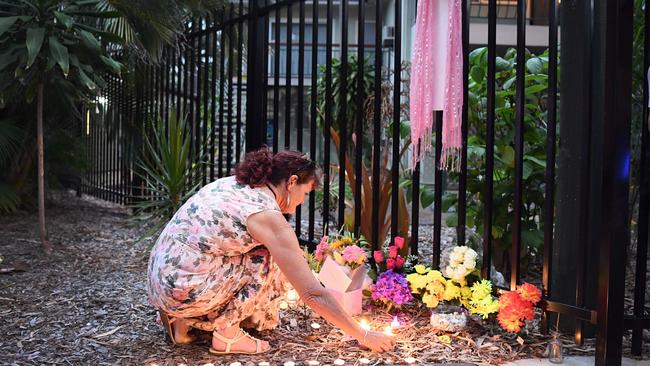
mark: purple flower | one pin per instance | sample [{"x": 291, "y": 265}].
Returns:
[{"x": 391, "y": 287}]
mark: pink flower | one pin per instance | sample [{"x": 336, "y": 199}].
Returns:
[
  {"x": 352, "y": 253},
  {"x": 379, "y": 256},
  {"x": 399, "y": 242},
  {"x": 399, "y": 262},
  {"x": 390, "y": 263},
  {"x": 392, "y": 252},
  {"x": 321, "y": 250}
]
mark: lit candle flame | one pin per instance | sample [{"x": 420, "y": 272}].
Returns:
[
  {"x": 388, "y": 330},
  {"x": 395, "y": 323},
  {"x": 364, "y": 324}
]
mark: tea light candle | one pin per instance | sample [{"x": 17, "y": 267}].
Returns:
[
  {"x": 292, "y": 296},
  {"x": 388, "y": 330},
  {"x": 364, "y": 361},
  {"x": 395, "y": 323},
  {"x": 364, "y": 324},
  {"x": 315, "y": 325},
  {"x": 409, "y": 360},
  {"x": 339, "y": 362},
  {"x": 235, "y": 364}
]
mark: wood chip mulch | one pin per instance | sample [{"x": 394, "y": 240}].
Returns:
[{"x": 86, "y": 305}]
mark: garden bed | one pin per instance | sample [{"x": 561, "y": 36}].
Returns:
[{"x": 86, "y": 304}]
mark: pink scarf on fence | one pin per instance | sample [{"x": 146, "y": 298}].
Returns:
[{"x": 437, "y": 79}]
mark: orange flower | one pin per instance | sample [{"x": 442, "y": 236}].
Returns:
[
  {"x": 529, "y": 293},
  {"x": 509, "y": 322}
]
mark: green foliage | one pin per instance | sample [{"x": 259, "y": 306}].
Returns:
[
  {"x": 54, "y": 43},
  {"x": 534, "y": 161},
  {"x": 170, "y": 177}
]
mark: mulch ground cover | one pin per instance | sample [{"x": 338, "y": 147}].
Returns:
[{"x": 86, "y": 305}]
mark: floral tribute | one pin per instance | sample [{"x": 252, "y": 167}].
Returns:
[
  {"x": 515, "y": 307},
  {"x": 391, "y": 289},
  {"x": 344, "y": 249},
  {"x": 462, "y": 263},
  {"x": 389, "y": 258}
]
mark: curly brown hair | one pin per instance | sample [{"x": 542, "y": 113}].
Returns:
[{"x": 261, "y": 166}]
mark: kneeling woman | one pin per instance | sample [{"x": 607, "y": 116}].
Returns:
[{"x": 220, "y": 264}]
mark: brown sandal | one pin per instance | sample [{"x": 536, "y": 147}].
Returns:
[
  {"x": 230, "y": 341},
  {"x": 167, "y": 324}
]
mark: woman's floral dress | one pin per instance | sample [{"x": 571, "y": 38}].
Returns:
[{"x": 207, "y": 269}]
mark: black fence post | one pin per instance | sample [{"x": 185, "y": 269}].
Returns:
[
  {"x": 255, "y": 113},
  {"x": 613, "y": 22}
]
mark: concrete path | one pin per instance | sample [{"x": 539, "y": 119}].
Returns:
[{"x": 573, "y": 361}]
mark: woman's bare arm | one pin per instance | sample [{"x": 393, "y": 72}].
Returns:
[{"x": 270, "y": 228}]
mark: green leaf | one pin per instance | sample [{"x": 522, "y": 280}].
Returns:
[
  {"x": 528, "y": 170},
  {"x": 86, "y": 80},
  {"x": 508, "y": 156},
  {"x": 539, "y": 162},
  {"x": 502, "y": 64},
  {"x": 535, "y": 65},
  {"x": 34, "y": 43},
  {"x": 535, "y": 88},
  {"x": 89, "y": 40},
  {"x": 426, "y": 198},
  {"x": 6, "y": 23},
  {"x": 477, "y": 73},
  {"x": 509, "y": 82},
  {"x": 474, "y": 56},
  {"x": 452, "y": 220},
  {"x": 64, "y": 18},
  {"x": 60, "y": 54},
  {"x": 114, "y": 65}
]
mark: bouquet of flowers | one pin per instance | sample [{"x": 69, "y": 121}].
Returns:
[
  {"x": 345, "y": 250},
  {"x": 462, "y": 263},
  {"x": 515, "y": 307},
  {"x": 431, "y": 286},
  {"x": 390, "y": 259},
  {"x": 391, "y": 289}
]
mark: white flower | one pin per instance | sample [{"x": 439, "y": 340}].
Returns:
[
  {"x": 471, "y": 254},
  {"x": 470, "y": 265},
  {"x": 456, "y": 256}
]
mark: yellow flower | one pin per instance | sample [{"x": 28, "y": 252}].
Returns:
[
  {"x": 429, "y": 300},
  {"x": 484, "y": 307},
  {"x": 481, "y": 289},
  {"x": 338, "y": 258},
  {"x": 451, "y": 291},
  {"x": 436, "y": 288},
  {"x": 417, "y": 281},
  {"x": 421, "y": 269},
  {"x": 336, "y": 244},
  {"x": 435, "y": 276},
  {"x": 361, "y": 260},
  {"x": 444, "y": 339}
]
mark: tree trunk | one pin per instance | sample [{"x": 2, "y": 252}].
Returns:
[{"x": 47, "y": 248}]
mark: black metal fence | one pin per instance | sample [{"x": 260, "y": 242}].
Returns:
[{"x": 274, "y": 72}]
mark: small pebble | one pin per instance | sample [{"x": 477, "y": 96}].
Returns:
[
  {"x": 364, "y": 361},
  {"x": 293, "y": 322},
  {"x": 289, "y": 363},
  {"x": 313, "y": 363},
  {"x": 263, "y": 363},
  {"x": 409, "y": 360},
  {"x": 235, "y": 363},
  {"x": 315, "y": 325},
  {"x": 208, "y": 364},
  {"x": 339, "y": 362}
]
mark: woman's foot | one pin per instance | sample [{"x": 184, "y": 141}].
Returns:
[
  {"x": 240, "y": 342},
  {"x": 181, "y": 332}
]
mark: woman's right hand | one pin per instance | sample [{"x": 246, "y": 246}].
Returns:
[{"x": 378, "y": 342}]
